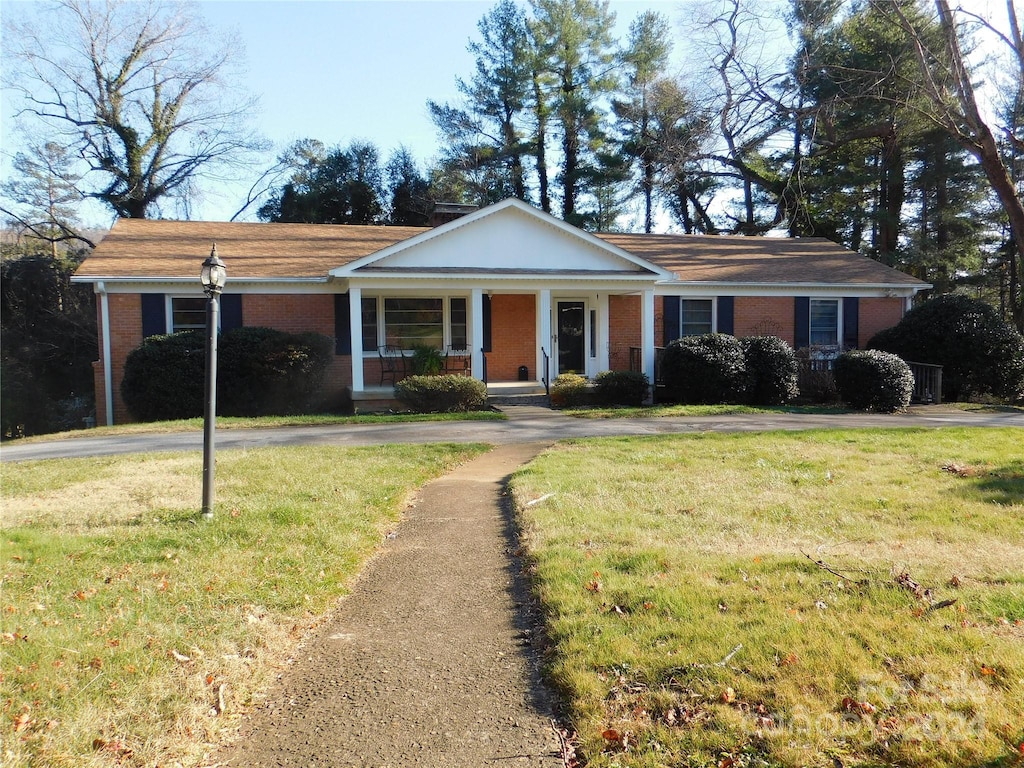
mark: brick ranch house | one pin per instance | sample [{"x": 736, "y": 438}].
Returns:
[{"x": 504, "y": 288}]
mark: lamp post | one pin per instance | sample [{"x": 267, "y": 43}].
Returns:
[{"x": 213, "y": 276}]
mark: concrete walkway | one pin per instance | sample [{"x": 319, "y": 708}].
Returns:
[
  {"x": 526, "y": 424},
  {"x": 428, "y": 662}
]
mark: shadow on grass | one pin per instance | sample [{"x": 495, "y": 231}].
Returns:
[{"x": 1003, "y": 485}]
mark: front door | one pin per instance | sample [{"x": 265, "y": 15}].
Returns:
[{"x": 571, "y": 330}]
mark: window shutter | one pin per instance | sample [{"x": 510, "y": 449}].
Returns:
[
  {"x": 670, "y": 319},
  {"x": 801, "y": 322},
  {"x": 230, "y": 312},
  {"x": 342, "y": 325},
  {"x": 725, "y": 314},
  {"x": 154, "y": 314},
  {"x": 851, "y": 322},
  {"x": 487, "y": 322}
]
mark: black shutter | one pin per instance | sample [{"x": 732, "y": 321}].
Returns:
[
  {"x": 670, "y": 319},
  {"x": 154, "y": 314},
  {"x": 487, "y": 322},
  {"x": 801, "y": 322},
  {"x": 230, "y": 312},
  {"x": 851, "y": 322},
  {"x": 725, "y": 312},
  {"x": 342, "y": 324}
]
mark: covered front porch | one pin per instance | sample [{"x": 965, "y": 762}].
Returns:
[{"x": 516, "y": 337}]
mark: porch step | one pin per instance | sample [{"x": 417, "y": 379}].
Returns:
[{"x": 540, "y": 400}]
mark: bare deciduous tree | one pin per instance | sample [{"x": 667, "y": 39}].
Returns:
[
  {"x": 141, "y": 92},
  {"x": 953, "y": 105}
]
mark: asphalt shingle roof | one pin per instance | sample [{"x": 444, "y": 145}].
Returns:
[{"x": 147, "y": 248}]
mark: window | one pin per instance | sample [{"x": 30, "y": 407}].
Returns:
[
  {"x": 369, "y": 312},
  {"x": 695, "y": 317},
  {"x": 411, "y": 322},
  {"x": 458, "y": 321},
  {"x": 188, "y": 313},
  {"x": 824, "y": 324}
]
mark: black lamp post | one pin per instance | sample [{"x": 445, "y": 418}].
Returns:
[{"x": 213, "y": 276}]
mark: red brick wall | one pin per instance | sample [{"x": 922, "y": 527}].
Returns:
[
  {"x": 625, "y": 328},
  {"x": 125, "y": 310},
  {"x": 290, "y": 313},
  {"x": 876, "y": 315},
  {"x": 513, "y": 336},
  {"x": 764, "y": 316}
]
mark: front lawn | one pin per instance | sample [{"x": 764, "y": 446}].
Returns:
[
  {"x": 134, "y": 632},
  {"x": 826, "y": 598}
]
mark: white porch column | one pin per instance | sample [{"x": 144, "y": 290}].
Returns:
[
  {"x": 476, "y": 336},
  {"x": 355, "y": 314},
  {"x": 647, "y": 334},
  {"x": 544, "y": 335},
  {"x": 604, "y": 336}
]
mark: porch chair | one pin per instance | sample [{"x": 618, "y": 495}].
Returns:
[
  {"x": 456, "y": 361},
  {"x": 392, "y": 363}
]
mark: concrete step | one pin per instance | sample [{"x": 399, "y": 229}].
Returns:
[{"x": 540, "y": 400}]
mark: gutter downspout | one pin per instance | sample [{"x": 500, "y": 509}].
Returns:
[{"x": 108, "y": 385}]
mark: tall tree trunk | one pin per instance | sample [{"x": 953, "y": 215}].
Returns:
[{"x": 541, "y": 108}]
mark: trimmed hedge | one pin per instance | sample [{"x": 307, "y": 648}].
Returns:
[
  {"x": 260, "y": 371},
  {"x": 621, "y": 388},
  {"x": 165, "y": 377},
  {"x": 263, "y": 371},
  {"x": 872, "y": 380},
  {"x": 771, "y": 370},
  {"x": 442, "y": 394},
  {"x": 705, "y": 369},
  {"x": 979, "y": 352},
  {"x": 569, "y": 390}
]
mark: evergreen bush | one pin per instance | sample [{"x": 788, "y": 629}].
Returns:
[
  {"x": 260, "y": 371},
  {"x": 442, "y": 394},
  {"x": 621, "y": 388},
  {"x": 979, "y": 352},
  {"x": 569, "y": 390},
  {"x": 164, "y": 377},
  {"x": 872, "y": 380},
  {"x": 771, "y": 370},
  {"x": 263, "y": 371},
  {"x": 705, "y": 369}
]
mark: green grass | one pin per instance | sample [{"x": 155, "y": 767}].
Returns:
[
  {"x": 265, "y": 422},
  {"x": 658, "y": 411},
  {"x": 689, "y": 623},
  {"x": 123, "y": 615}
]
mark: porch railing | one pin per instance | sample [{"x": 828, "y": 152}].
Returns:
[
  {"x": 927, "y": 382},
  {"x": 545, "y": 374},
  {"x": 636, "y": 362}
]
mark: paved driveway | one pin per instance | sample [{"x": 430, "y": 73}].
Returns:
[{"x": 526, "y": 424}]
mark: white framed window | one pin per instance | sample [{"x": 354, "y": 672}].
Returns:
[
  {"x": 409, "y": 321},
  {"x": 696, "y": 316},
  {"x": 187, "y": 313},
  {"x": 824, "y": 323}
]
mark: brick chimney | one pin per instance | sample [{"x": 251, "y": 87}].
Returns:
[{"x": 445, "y": 212}]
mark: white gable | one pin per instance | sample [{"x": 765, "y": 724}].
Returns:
[{"x": 508, "y": 236}]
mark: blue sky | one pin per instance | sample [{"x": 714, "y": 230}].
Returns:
[{"x": 338, "y": 70}]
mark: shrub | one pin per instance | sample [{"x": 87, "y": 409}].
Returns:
[
  {"x": 621, "y": 388},
  {"x": 979, "y": 352},
  {"x": 264, "y": 371},
  {"x": 164, "y": 377},
  {"x": 442, "y": 394},
  {"x": 569, "y": 390},
  {"x": 815, "y": 379},
  {"x": 771, "y": 370},
  {"x": 873, "y": 380},
  {"x": 259, "y": 371},
  {"x": 704, "y": 369},
  {"x": 426, "y": 360}
]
